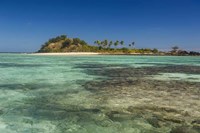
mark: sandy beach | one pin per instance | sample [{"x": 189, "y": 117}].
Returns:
[
  {"x": 68, "y": 53},
  {"x": 87, "y": 53}
]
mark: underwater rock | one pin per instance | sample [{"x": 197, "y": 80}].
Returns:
[
  {"x": 183, "y": 129},
  {"x": 159, "y": 103},
  {"x": 197, "y": 128},
  {"x": 154, "y": 121},
  {"x": 196, "y": 125},
  {"x": 131, "y": 109},
  {"x": 196, "y": 121},
  {"x": 28, "y": 121},
  {"x": 152, "y": 108},
  {"x": 105, "y": 123},
  {"x": 1, "y": 112},
  {"x": 118, "y": 116},
  {"x": 174, "y": 119}
]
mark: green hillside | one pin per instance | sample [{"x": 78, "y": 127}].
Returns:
[{"x": 64, "y": 44}]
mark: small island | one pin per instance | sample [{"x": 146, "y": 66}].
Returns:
[{"x": 63, "y": 44}]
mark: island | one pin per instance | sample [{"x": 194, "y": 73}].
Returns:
[{"x": 62, "y": 44}]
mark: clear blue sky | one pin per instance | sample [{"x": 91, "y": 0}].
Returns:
[{"x": 26, "y": 24}]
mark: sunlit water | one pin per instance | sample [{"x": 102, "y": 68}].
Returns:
[{"x": 99, "y": 94}]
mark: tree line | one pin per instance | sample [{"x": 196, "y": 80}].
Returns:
[{"x": 108, "y": 44}]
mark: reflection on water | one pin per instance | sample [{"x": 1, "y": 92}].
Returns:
[{"x": 123, "y": 94}]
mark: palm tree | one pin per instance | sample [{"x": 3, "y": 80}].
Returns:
[
  {"x": 175, "y": 49},
  {"x": 122, "y": 42},
  {"x": 105, "y": 43},
  {"x": 98, "y": 43},
  {"x": 102, "y": 42},
  {"x": 133, "y": 43},
  {"x": 116, "y": 43},
  {"x": 110, "y": 44}
]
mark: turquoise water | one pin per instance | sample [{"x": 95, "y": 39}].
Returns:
[{"x": 101, "y": 94}]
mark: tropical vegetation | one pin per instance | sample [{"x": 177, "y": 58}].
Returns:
[{"x": 64, "y": 44}]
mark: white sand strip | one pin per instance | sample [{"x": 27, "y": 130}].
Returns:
[{"x": 68, "y": 53}]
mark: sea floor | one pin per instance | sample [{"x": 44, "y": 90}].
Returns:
[{"x": 109, "y": 94}]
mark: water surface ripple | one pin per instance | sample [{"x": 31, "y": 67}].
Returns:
[{"x": 87, "y": 94}]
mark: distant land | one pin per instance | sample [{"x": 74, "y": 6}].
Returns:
[{"x": 63, "y": 44}]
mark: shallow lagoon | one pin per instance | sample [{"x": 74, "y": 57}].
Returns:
[{"x": 87, "y": 94}]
